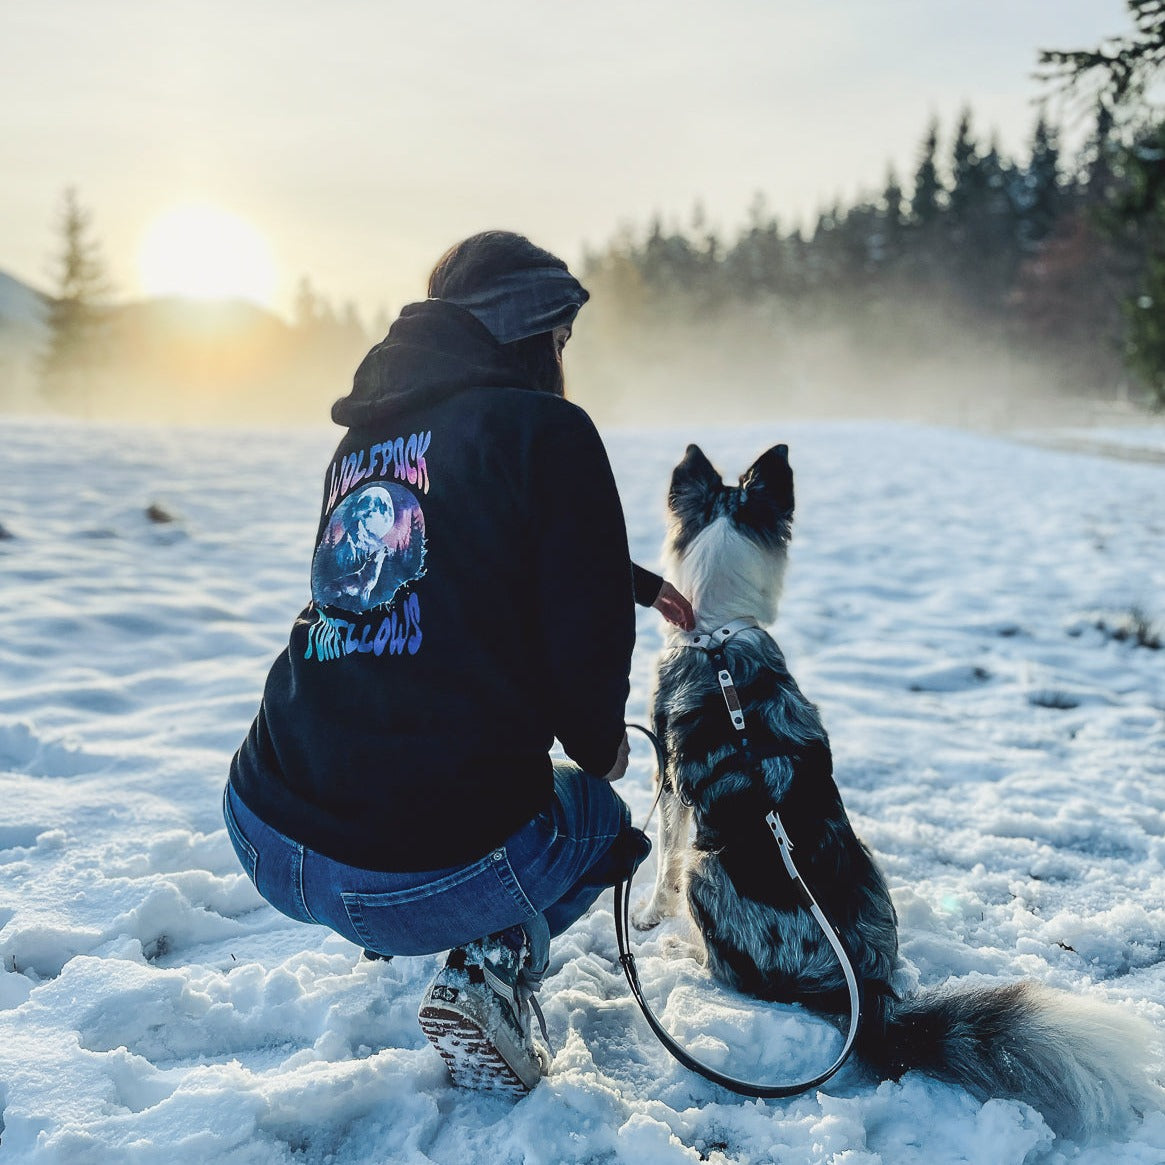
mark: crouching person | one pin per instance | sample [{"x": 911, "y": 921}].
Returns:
[{"x": 471, "y": 601}]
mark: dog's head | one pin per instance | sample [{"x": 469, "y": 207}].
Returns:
[{"x": 726, "y": 545}]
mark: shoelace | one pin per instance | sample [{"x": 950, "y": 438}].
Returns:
[
  {"x": 520, "y": 995},
  {"x": 525, "y": 993}
]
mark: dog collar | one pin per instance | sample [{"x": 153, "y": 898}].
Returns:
[{"x": 710, "y": 640}]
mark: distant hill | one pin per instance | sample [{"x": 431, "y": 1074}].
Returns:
[
  {"x": 23, "y": 330},
  {"x": 20, "y": 305},
  {"x": 184, "y": 360},
  {"x": 181, "y": 359}
]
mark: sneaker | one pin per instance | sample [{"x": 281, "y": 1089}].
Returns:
[{"x": 476, "y": 1013}]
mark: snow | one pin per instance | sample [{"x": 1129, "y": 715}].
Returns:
[
  {"x": 950, "y": 605},
  {"x": 1134, "y": 442},
  {"x": 1147, "y": 436}
]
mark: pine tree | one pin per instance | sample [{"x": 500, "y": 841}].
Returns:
[
  {"x": 674, "y": 270},
  {"x": 78, "y": 318},
  {"x": 1042, "y": 192},
  {"x": 1145, "y": 338},
  {"x": 352, "y": 326},
  {"x": 967, "y": 174},
  {"x": 859, "y": 244},
  {"x": 924, "y": 255},
  {"x": 1117, "y": 74},
  {"x": 983, "y": 254},
  {"x": 894, "y": 211},
  {"x": 1140, "y": 211},
  {"x": 1098, "y": 160},
  {"x": 307, "y": 309},
  {"x": 825, "y": 260},
  {"x": 1119, "y": 70},
  {"x": 925, "y": 202},
  {"x": 755, "y": 266}
]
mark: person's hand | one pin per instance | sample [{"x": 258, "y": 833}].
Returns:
[
  {"x": 620, "y": 761},
  {"x": 674, "y": 607}
]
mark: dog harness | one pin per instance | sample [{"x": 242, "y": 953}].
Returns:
[{"x": 713, "y": 644}]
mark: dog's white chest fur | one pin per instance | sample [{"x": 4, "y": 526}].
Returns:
[{"x": 726, "y": 575}]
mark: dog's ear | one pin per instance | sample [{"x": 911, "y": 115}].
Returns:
[
  {"x": 693, "y": 481},
  {"x": 767, "y": 486}
]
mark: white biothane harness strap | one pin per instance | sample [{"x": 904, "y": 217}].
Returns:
[
  {"x": 712, "y": 642},
  {"x": 715, "y": 638}
]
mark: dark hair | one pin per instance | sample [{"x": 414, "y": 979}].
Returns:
[{"x": 478, "y": 261}]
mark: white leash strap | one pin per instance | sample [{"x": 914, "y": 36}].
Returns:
[
  {"x": 627, "y": 959},
  {"x": 773, "y": 821}
]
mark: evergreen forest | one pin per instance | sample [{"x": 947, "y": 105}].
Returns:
[{"x": 982, "y": 283}]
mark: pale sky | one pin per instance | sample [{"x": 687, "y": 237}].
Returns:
[{"x": 362, "y": 137}]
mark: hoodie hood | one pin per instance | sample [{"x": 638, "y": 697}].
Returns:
[{"x": 432, "y": 350}]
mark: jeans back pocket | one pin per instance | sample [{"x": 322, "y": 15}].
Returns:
[{"x": 435, "y": 915}]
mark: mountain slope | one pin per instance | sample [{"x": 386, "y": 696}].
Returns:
[
  {"x": 23, "y": 330},
  {"x": 21, "y": 306}
]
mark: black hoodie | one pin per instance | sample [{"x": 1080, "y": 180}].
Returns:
[{"x": 472, "y": 601}]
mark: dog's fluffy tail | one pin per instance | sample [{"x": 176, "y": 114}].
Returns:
[{"x": 1082, "y": 1064}]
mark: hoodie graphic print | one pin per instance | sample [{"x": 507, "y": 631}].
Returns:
[{"x": 372, "y": 546}]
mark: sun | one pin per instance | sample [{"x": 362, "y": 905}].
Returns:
[{"x": 204, "y": 252}]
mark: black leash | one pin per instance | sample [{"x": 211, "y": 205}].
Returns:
[{"x": 623, "y": 927}]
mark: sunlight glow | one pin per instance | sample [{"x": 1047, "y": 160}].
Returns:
[{"x": 204, "y": 252}]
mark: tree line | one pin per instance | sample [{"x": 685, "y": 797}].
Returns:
[
  {"x": 1055, "y": 256},
  {"x": 1046, "y": 268},
  {"x": 1053, "y": 260}
]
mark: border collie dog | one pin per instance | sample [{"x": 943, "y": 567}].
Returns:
[{"x": 1078, "y": 1062}]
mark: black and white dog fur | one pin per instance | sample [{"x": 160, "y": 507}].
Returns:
[{"x": 1079, "y": 1063}]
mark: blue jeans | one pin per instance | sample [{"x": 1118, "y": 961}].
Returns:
[{"x": 545, "y": 876}]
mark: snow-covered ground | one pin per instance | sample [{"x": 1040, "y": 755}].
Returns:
[
  {"x": 1139, "y": 442},
  {"x": 964, "y": 609}
]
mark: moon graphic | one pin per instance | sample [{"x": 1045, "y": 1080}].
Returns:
[{"x": 374, "y": 514}]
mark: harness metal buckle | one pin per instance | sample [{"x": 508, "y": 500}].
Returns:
[{"x": 731, "y": 698}]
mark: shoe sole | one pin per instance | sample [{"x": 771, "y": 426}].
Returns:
[{"x": 472, "y": 1058}]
